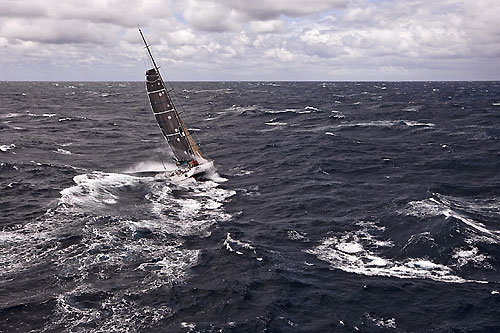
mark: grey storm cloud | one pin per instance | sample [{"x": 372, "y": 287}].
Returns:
[
  {"x": 266, "y": 10},
  {"x": 13, "y": 8},
  {"x": 251, "y": 40},
  {"x": 230, "y": 15}
]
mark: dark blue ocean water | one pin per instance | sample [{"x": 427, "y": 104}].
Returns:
[{"x": 346, "y": 207}]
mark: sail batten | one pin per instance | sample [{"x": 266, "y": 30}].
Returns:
[
  {"x": 163, "y": 112},
  {"x": 171, "y": 125},
  {"x": 168, "y": 119},
  {"x": 156, "y": 91}
]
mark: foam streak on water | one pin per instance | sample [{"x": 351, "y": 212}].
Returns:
[
  {"x": 89, "y": 241},
  {"x": 336, "y": 207},
  {"x": 356, "y": 252}
]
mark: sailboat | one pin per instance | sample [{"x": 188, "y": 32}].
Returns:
[{"x": 190, "y": 161}]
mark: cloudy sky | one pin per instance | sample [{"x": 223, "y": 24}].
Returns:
[{"x": 327, "y": 40}]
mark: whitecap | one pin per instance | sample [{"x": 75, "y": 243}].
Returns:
[
  {"x": 350, "y": 247},
  {"x": 150, "y": 166},
  {"x": 239, "y": 247},
  {"x": 108, "y": 242},
  {"x": 337, "y": 114},
  {"x": 412, "y": 107},
  {"x": 282, "y": 111},
  {"x": 309, "y": 109},
  {"x": 241, "y": 109},
  {"x": 297, "y": 236},
  {"x": 357, "y": 252},
  {"x": 6, "y": 148},
  {"x": 277, "y": 123},
  {"x": 449, "y": 207},
  {"x": 63, "y": 151},
  {"x": 191, "y": 326},
  {"x": 416, "y": 123},
  {"x": 94, "y": 189},
  {"x": 470, "y": 255},
  {"x": 381, "y": 322},
  {"x": 385, "y": 123},
  {"x": 46, "y": 115},
  {"x": 11, "y": 115},
  {"x": 240, "y": 171}
]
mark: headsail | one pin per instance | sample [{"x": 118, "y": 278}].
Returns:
[{"x": 171, "y": 124}]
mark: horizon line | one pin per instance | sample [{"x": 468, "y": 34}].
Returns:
[{"x": 48, "y": 81}]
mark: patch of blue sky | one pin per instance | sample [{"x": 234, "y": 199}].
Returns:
[
  {"x": 180, "y": 18},
  {"x": 336, "y": 12}
]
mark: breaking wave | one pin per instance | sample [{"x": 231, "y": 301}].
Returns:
[
  {"x": 461, "y": 210},
  {"x": 109, "y": 223},
  {"x": 359, "y": 252}
]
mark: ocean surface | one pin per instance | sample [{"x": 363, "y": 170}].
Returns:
[{"x": 337, "y": 207}]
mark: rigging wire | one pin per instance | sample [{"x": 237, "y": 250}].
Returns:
[
  {"x": 175, "y": 99},
  {"x": 161, "y": 160},
  {"x": 145, "y": 100}
]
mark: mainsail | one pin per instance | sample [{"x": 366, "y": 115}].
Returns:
[{"x": 173, "y": 128}]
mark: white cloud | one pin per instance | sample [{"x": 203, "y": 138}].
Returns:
[
  {"x": 210, "y": 16},
  {"x": 482, "y": 27},
  {"x": 280, "y": 54},
  {"x": 271, "y": 26},
  {"x": 181, "y": 37},
  {"x": 258, "y": 39}
]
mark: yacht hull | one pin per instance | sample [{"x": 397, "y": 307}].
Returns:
[{"x": 194, "y": 172}]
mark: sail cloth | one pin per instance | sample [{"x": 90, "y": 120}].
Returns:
[{"x": 168, "y": 119}]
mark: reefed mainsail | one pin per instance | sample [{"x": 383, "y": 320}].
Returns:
[
  {"x": 167, "y": 117},
  {"x": 190, "y": 160}
]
